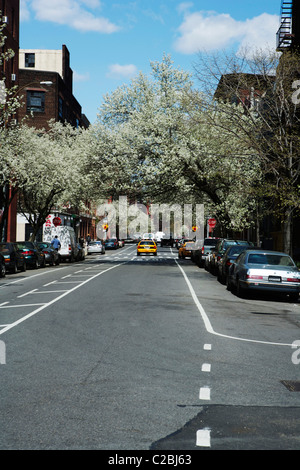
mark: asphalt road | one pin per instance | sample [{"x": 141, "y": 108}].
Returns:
[{"x": 121, "y": 353}]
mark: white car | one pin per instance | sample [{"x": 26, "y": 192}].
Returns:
[{"x": 96, "y": 247}]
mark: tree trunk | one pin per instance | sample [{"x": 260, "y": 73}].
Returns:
[{"x": 288, "y": 231}]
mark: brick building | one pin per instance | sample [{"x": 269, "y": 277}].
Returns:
[
  {"x": 9, "y": 74},
  {"x": 46, "y": 84}
]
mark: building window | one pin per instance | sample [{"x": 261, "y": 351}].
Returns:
[
  {"x": 35, "y": 101},
  {"x": 29, "y": 59}
]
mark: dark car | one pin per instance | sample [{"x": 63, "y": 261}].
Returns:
[
  {"x": 202, "y": 252},
  {"x": 219, "y": 250},
  {"x": 112, "y": 244},
  {"x": 228, "y": 258},
  {"x": 34, "y": 256},
  {"x": 2, "y": 266},
  {"x": 13, "y": 258},
  {"x": 51, "y": 255}
]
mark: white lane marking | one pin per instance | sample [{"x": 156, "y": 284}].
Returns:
[
  {"x": 31, "y": 314},
  {"x": 49, "y": 283},
  {"x": 208, "y": 325},
  {"x": 204, "y": 393},
  {"x": 203, "y": 438},
  {"x": 207, "y": 347},
  {"x": 23, "y": 305},
  {"x": 48, "y": 291},
  {"x": 26, "y": 293},
  {"x": 206, "y": 367},
  {"x": 29, "y": 277},
  {"x": 4, "y": 303}
]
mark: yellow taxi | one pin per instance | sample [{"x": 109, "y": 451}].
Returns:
[
  {"x": 186, "y": 250},
  {"x": 146, "y": 247}
]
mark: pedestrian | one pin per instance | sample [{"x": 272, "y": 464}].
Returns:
[
  {"x": 56, "y": 243},
  {"x": 88, "y": 239}
]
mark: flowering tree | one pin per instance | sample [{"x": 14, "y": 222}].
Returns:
[
  {"x": 160, "y": 147},
  {"x": 42, "y": 167},
  {"x": 261, "y": 87}
]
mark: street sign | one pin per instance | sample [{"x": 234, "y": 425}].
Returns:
[
  {"x": 212, "y": 222},
  {"x": 56, "y": 221}
]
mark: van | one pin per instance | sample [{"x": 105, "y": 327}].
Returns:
[{"x": 66, "y": 235}]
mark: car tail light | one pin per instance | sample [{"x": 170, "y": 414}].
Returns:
[
  {"x": 70, "y": 247},
  {"x": 228, "y": 263},
  {"x": 28, "y": 252},
  {"x": 254, "y": 276},
  {"x": 202, "y": 250},
  {"x": 290, "y": 279}
]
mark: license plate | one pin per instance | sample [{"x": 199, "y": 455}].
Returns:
[{"x": 274, "y": 278}]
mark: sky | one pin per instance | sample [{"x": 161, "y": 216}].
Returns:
[{"x": 111, "y": 41}]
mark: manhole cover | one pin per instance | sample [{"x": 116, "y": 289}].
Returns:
[{"x": 291, "y": 385}]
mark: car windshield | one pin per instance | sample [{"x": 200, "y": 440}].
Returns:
[
  {"x": 270, "y": 259},
  {"x": 4, "y": 248},
  {"x": 146, "y": 242},
  {"x": 44, "y": 245},
  {"x": 236, "y": 249},
  {"x": 95, "y": 243},
  {"x": 210, "y": 242},
  {"x": 25, "y": 244}
]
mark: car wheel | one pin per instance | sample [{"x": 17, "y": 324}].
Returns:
[
  {"x": 24, "y": 267},
  {"x": 228, "y": 283},
  {"x": 36, "y": 264},
  {"x": 2, "y": 271}
]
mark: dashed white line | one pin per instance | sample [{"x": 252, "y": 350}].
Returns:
[
  {"x": 206, "y": 367},
  {"x": 203, "y": 438},
  {"x": 204, "y": 393}
]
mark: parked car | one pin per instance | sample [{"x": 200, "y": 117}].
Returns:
[
  {"x": 96, "y": 247},
  {"x": 185, "y": 251},
  {"x": 267, "y": 271},
  {"x": 111, "y": 244},
  {"x": 34, "y": 256},
  {"x": 202, "y": 252},
  {"x": 147, "y": 247},
  {"x": 228, "y": 258},
  {"x": 121, "y": 243},
  {"x": 2, "y": 266},
  {"x": 219, "y": 250},
  {"x": 51, "y": 255},
  {"x": 13, "y": 258},
  {"x": 182, "y": 241}
]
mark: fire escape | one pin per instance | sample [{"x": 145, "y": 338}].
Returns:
[{"x": 285, "y": 33}]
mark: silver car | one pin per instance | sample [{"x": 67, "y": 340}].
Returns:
[
  {"x": 268, "y": 271},
  {"x": 96, "y": 247}
]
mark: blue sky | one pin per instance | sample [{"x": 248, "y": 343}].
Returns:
[{"x": 110, "y": 41}]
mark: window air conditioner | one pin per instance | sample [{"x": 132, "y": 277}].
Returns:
[
  {"x": 13, "y": 77},
  {"x": 5, "y": 19}
]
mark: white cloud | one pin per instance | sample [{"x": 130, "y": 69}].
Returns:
[
  {"x": 24, "y": 11},
  {"x": 209, "y": 31},
  {"x": 73, "y": 13},
  {"x": 80, "y": 77},
  {"x": 122, "y": 71}
]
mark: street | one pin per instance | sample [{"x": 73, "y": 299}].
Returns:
[{"x": 120, "y": 352}]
